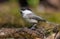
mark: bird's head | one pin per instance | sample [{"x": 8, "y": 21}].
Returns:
[{"x": 25, "y": 11}]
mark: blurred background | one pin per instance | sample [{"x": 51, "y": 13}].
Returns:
[{"x": 10, "y": 14}]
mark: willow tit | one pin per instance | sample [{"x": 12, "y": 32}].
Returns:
[{"x": 30, "y": 17}]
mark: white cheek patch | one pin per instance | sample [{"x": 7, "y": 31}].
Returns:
[{"x": 26, "y": 12}]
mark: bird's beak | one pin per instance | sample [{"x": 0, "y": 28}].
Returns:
[{"x": 20, "y": 12}]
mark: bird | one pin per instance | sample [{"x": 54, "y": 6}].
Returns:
[{"x": 30, "y": 17}]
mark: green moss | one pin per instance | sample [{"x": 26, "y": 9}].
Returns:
[{"x": 33, "y": 3}]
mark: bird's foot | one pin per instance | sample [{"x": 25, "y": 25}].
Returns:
[{"x": 33, "y": 28}]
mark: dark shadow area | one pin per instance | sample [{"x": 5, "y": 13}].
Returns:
[
  {"x": 23, "y": 3},
  {"x": 2, "y": 1}
]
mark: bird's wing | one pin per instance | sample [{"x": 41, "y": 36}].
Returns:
[{"x": 33, "y": 16}]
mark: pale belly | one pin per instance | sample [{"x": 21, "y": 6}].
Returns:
[{"x": 32, "y": 20}]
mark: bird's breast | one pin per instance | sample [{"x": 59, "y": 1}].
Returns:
[{"x": 31, "y": 20}]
